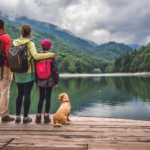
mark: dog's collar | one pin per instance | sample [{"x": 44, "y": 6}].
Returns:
[{"x": 66, "y": 101}]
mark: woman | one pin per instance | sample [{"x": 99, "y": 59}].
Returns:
[{"x": 25, "y": 80}]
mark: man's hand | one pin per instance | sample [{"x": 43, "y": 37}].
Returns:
[{"x": 54, "y": 56}]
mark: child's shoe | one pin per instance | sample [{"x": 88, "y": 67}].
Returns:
[
  {"x": 27, "y": 120},
  {"x": 46, "y": 119},
  {"x": 38, "y": 119},
  {"x": 18, "y": 119}
]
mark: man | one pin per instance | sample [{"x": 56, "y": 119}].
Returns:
[{"x": 7, "y": 75}]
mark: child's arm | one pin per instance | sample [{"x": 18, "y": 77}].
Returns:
[{"x": 54, "y": 71}]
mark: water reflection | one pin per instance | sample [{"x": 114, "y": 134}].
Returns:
[{"x": 121, "y": 97}]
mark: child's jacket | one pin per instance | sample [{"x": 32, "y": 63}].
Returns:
[{"x": 53, "y": 78}]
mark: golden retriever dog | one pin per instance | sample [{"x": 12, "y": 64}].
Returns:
[{"x": 62, "y": 115}]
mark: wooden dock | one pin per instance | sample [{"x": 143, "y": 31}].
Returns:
[{"x": 83, "y": 133}]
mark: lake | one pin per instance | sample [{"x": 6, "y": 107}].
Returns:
[{"x": 111, "y": 96}]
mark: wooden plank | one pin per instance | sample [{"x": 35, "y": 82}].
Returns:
[
  {"x": 5, "y": 140},
  {"x": 18, "y": 147},
  {"x": 117, "y": 147},
  {"x": 82, "y": 132},
  {"x": 53, "y": 140},
  {"x": 66, "y": 127},
  {"x": 2, "y": 144},
  {"x": 86, "y": 123},
  {"x": 45, "y": 145},
  {"x": 79, "y": 137},
  {"x": 68, "y": 134}
]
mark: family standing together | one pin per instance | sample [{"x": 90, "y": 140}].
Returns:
[{"x": 25, "y": 80}]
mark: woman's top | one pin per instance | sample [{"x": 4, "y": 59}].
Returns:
[
  {"x": 31, "y": 52},
  {"x": 53, "y": 78}
]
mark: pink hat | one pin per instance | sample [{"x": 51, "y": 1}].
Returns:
[{"x": 46, "y": 44}]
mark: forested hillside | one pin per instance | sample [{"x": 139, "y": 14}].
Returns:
[
  {"x": 53, "y": 29},
  {"x": 110, "y": 51},
  {"x": 69, "y": 58},
  {"x": 137, "y": 61}
]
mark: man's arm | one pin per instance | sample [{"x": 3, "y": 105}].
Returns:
[{"x": 7, "y": 44}]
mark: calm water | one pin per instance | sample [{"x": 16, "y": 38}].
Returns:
[{"x": 121, "y": 97}]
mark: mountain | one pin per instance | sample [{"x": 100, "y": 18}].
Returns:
[
  {"x": 148, "y": 44},
  {"x": 135, "y": 46},
  {"x": 137, "y": 61},
  {"x": 92, "y": 43},
  {"x": 69, "y": 58},
  {"x": 53, "y": 29},
  {"x": 110, "y": 51}
]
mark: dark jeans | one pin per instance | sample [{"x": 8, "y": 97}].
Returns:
[
  {"x": 48, "y": 99},
  {"x": 24, "y": 89}
]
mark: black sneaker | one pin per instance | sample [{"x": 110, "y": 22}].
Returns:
[
  {"x": 38, "y": 119},
  {"x": 27, "y": 120},
  {"x": 7, "y": 119},
  {"x": 47, "y": 119},
  {"x": 18, "y": 119}
]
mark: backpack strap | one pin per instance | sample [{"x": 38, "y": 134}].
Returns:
[
  {"x": 3, "y": 59},
  {"x": 31, "y": 62},
  {"x": 2, "y": 33},
  {"x": 31, "y": 67},
  {"x": 0, "y": 41},
  {"x": 2, "y": 69}
]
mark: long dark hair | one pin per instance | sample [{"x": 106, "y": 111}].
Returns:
[{"x": 25, "y": 30}]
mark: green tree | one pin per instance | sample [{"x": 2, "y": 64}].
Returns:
[
  {"x": 97, "y": 70},
  {"x": 61, "y": 68},
  {"x": 146, "y": 64},
  {"x": 66, "y": 63},
  {"x": 71, "y": 69},
  {"x": 59, "y": 59}
]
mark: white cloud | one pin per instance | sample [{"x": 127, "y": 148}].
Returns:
[
  {"x": 102, "y": 21},
  {"x": 84, "y": 15}
]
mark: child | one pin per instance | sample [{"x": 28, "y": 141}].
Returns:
[{"x": 45, "y": 85}]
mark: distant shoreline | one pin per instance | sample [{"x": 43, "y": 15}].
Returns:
[{"x": 104, "y": 74}]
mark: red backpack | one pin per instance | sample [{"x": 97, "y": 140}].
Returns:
[{"x": 43, "y": 68}]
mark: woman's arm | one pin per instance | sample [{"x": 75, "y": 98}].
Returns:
[{"x": 37, "y": 56}]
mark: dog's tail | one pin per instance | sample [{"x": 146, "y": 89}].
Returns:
[{"x": 57, "y": 125}]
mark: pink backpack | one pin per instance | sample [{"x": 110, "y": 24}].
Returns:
[{"x": 43, "y": 68}]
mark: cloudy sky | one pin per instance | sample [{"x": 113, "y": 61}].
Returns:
[{"x": 122, "y": 21}]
